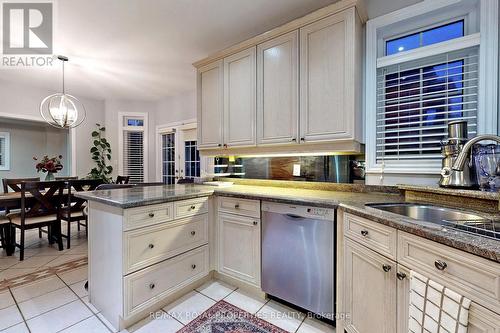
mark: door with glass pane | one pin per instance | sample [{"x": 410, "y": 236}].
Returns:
[{"x": 169, "y": 174}]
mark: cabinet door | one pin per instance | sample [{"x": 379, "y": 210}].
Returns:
[
  {"x": 370, "y": 290},
  {"x": 278, "y": 90},
  {"x": 482, "y": 320},
  {"x": 403, "y": 295},
  {"x": 239, "y": 247},
  {"x": 210, "y": 105},
  {"x": 239, "y": 99},
  {"x": 326, "y": 76}
]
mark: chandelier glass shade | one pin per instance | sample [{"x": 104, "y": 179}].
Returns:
[{"x": 62, "y": 110}]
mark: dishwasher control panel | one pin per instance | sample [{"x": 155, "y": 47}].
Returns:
[{"x": 299, "y": 211}]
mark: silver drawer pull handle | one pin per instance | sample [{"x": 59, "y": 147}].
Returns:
[
  {"x": 386, "y": 268},
  {"x": 151, "y": 214},
  {"x": 441, "y": 265},
  {"x": 151, "y": 286},
  {"x": 193, "y": 207},
  {"x": 237, "y": 206},
  {"x": 151, "y": 246},
  {"x": 364, "y": 233},
  {"x": 401, "y": 276},
  {"x": 193, "y": 266},
  {"x": 193, "y": 233},
  {"x": 254, "y": 222}
]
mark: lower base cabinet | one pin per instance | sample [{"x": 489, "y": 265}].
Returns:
[{"x": 239, "y": 247}]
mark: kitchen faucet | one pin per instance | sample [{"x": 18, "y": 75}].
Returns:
[{"x": 462, "y": 156}]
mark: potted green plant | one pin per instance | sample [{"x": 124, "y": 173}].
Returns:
[{"x": 101, "y": 155}]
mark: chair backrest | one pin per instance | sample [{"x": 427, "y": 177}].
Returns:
[
  {"x": 113, "y": 186},
  {"x": 67, "y": 178},
  {"x": 15, "y": 183},
  {"x": 149, "y": 184},
  {"x": 38, "y": 202},
  {"x": 80, "y": 185},
  {"x": 122, "y": 179}
]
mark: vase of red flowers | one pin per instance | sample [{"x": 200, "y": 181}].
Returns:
[{"x": 49, "y": 165}]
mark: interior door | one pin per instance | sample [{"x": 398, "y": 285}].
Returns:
[
  {"x": 189, "y": 161},
  {"x": 170, "y": 172}
]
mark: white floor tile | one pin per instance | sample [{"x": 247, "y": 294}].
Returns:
[
  {"x": 60, "y": 318},
  {"x": 89, "y": 305},
  {"x": 189, "y": 307},
  {"x": 107, "y": 323},
  {"x": 19, "y": 328},
  {"x": 6, "y": 299},
  {"x": 46, "y": 302},
  {"x": 37, "y": 288},
  {"x": 312, "y": 325},
  {"x": 34, "y": 262},
  {"x": 10, "y": 316},
  {"x": 75, "y": 275},
  {"x": 281, "y": 316},
  {"x": 244, "y": 301},
  {"x": 216, "y": 290},
  {"x": 6, "y": 262},
  {"x": 79, "y": 288},
  {"x": 15, "y": 272},
  {"x": 89, "y": 325},
  {"x": 162, "y": 323},
  {"x": 64, "y": 259}
]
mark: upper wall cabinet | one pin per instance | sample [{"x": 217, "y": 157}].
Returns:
[
  {"x": 278, "y": 90},
  {"x": 239, "y": 99},
  {"x": 330, "y": 78},
  {"x": 210, "y": 90}
]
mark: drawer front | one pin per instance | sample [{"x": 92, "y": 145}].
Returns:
[
  {"x": 190, "y": 207},
  {"x": 375, "y": 236},
  {"x": 149, "y": 286},
  {"x": 145, "y": 216},
  {"x": 147, "y": 246},
  {"x": 474, "y": 277},
  {"x": 238, "y": 206}
]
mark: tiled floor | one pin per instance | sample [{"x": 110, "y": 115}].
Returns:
[
  {"x": 60, "y": 304},
  {"x": 39, "y": 254}
]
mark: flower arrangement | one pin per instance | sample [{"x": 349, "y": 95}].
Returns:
[{"x": 49, "y": 165}]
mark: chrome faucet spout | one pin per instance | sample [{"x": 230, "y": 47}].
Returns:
[{"x": 462, "y": 156}]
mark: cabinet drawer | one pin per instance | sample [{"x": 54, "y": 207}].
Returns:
[
  {"x": 145, "y": 216},
  {"x": 378, "y": 237},
  {"x": 147, "y": 246},
  {"x": 149, "y": 286},
  {"x": 474, "y": 277},
  {"x": 190, "y": 207},
  {"x": 238, "y": 206}
]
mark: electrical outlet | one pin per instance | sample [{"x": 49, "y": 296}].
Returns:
[{"x": 296, "y": 170}]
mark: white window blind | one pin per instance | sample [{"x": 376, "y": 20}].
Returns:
[
  {"x": 133, "y": 155},
  {"x": 417, "y": 99},
  {"x": 4, "y": 151}
]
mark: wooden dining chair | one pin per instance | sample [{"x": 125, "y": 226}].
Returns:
[
  {"x": 39, "y": 208},
  {"x": 4, "y": 229},
  {"x": 122, "y": 180},
  {"x": 73, "y": 209}
]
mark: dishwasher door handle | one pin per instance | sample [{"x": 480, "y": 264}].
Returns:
[{"x": 294, "y": 217}]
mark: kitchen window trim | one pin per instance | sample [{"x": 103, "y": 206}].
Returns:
[
  {"x": 6, "y": 165},
  {"x": 431, "y": 14},
  {"x": 144, "y": 129}
]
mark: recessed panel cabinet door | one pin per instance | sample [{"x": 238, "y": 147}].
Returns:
[
  {"x": 370, "y": 290},
  {"x": 278, "y": 90},
  {"x": 326, "y": 76},
  {"x": 239, "y": 99},
  {"x": 239, "y": 247},
  {"x": 210, "y": 105}
]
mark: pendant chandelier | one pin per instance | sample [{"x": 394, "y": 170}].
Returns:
[{"x": 62, "y": 110}]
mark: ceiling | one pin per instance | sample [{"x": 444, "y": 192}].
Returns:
[{"x": 143, "y": 49}]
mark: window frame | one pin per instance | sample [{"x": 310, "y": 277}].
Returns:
[
  {"x": 424, "y": 16},
  {"x": 6, "y": 165},
  {"x": 123, "y": 128}
]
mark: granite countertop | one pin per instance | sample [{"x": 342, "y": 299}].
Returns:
[
  {"x": 452, "y": 191},
  {"x": 148, "y": 195}
]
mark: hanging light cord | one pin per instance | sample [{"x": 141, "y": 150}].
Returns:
[{"x": 63, "y": 90}]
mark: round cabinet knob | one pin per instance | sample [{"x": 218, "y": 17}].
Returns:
[
  {"x": 219, "y": 145},
  {"x": 151, "y": 214},
  {"x": 151, "y": 286},
  {"x": 193, "y": 233},
  {"x": 294, "y": 139},
  {"x": 302, "y": 139},
  {"x": 254, "y": 222},
  {"x": 441, "y": 265},
  {"x": 193, "y": 266},
  {"x": 364, "y": 233},
  {"x": 237, "y": 206},
  {"x": 151, "y": 246},
  {"x": 386, "y": 268},
  {"x": 193, "y": 207},
  {"x": 401, "y": 276}
]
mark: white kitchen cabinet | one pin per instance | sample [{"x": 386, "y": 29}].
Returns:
[
  {"x": 278, "y": 90},
  {"x": 239, "y": 247},
  {"x": 210, "y": 101},
  {"x": 330, "y": 78},
  {"x": 240, "y": 113},
  {"x": 370, "y": 290}
]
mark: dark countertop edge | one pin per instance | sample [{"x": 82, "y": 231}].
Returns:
[{"x": 427, "y": 231}]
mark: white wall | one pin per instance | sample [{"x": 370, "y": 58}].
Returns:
[
  {"x": 176, "y": 108},
  {"x": 22, "y": 102}
]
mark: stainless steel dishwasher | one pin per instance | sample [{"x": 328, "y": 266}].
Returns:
[{"x": 298, "y": 256}]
